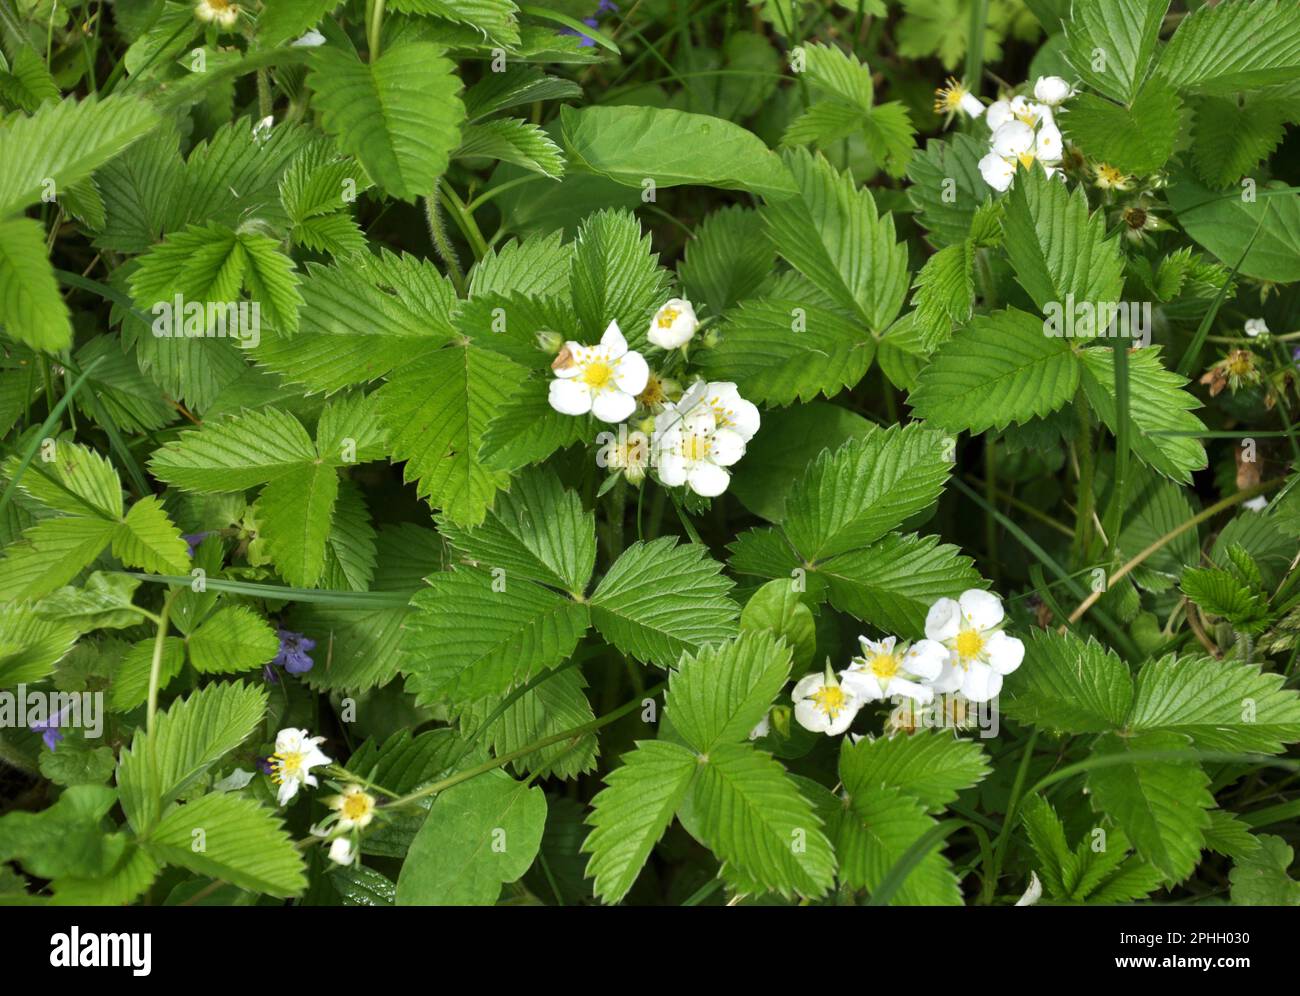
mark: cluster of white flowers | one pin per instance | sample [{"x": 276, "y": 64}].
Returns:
[
  {"x": 965, "y": 651},
  {"x": 1023, "y": 131},
  {"x": 691, "y": 438},
  {"x": 296, "y": 753}
]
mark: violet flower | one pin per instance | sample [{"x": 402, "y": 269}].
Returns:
[
  {"x": 49, "y": 730},
  {"x": 293, "y": 655}
]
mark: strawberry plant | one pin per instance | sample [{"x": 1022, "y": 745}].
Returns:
[{"x": 711, "y": 452}]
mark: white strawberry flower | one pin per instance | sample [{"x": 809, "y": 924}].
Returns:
[
  {"x": 691, "y": 449},
  {"x": 979, "y": 652},
  {"x": 674, "y": 324},
  {"x": 222, "y": 13},
  {"x": 953, "y": 96},
  {"x": 823, "y": 705},
  {"x": 355, "y": 807},
  {"x": 731, "y": 410},
  {"x": 887, "y": 669},
  {"x": 296, "y": 753},
  {"x": 1052, "y": 90},
  {"x": 1018, "y": 109},
  {"x": 763, "y": 727},
  {"x": 1256, "y": 327},
  {"x": 1017, "y": 144},
  {"x": 603, "y": 379},
  {"x": 342, "y": 852}
]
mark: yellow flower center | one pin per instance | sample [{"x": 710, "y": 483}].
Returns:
[
  {"x": 653, "y": 393},
  {"x": 830, "y": 699},
  {"x": 969, "y": 644},
  {"x": 1026, "y": 159},
  {"x": 221, "y": 4},
  {"x": 286, "y": 765},
  {"x": 948, "y": 97},
  {"x": 1027, "y": 116},
  {"x": 1109, "y": 176},
  {"x": 884, "y": 665},
  {"x": 696, "y": 446},
  {"x": 667, "y": 317},
  {"x": 357, "y": 805},
  {"x": 1241, "y": 362},
  {"x": 597, "y": 374}
]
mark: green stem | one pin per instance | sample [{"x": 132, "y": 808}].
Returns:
[
  {"x": 1004, "y": 835},
  {"x": 464, "y": 220},
  {"x": 155, "y": 665},
  {"x": 374, "y": 27},
  {"x": 1084, "y": 505},
  {"x": 438, "y": 233}
]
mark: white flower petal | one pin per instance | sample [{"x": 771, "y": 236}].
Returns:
[
  {"x": 744, "y": 418},
  {"x": 1047, "y": 146},
  {"x": 926, "y": 659},
  {"x": 808, "y": 684},
  {"x": 943, "y": 621},
  {"x": 1013, "y": 139},
  {"x": 672, "y": 469},
  {"x": 810, "y": 717},
  {"x": 844, "y": 718},
  {"x": 611, "y": 406},
  {"x": 569, "y": 397},
  {"x": 727, "y": 447},
  {"x": 949, "y": 679},
  {"x": 632, "y": 373},
  {"x": 998, "y": 114},
  {"x": 612, "y": 342},
  {"x": 862, "y": 685},
  {"x": 997, "y": 172},
  {"x": 980, "y": 609},
  {"x": 911, "y": 690},
  {"x": 1004, "y": 653},
  {"x": 708, "y": 480},
  {"x": 980, "y": 682},
  {"x": 971, "y": 105}
]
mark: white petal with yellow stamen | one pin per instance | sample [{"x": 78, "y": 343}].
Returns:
[
  {"x": 979, "y": 653},
  {"x": 603, "y": 379},
  {"x": 673, "y": 325},
  {"x": 823, "y": 705},
  {"x": 296, "y": 753}
]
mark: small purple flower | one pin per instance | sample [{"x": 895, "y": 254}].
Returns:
[
  {"x": 293, "y": 655},
  {"x": 193, "y": 540},
  {"x": 49, "y": 730},
  {"x": 264, "y": 766}
]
